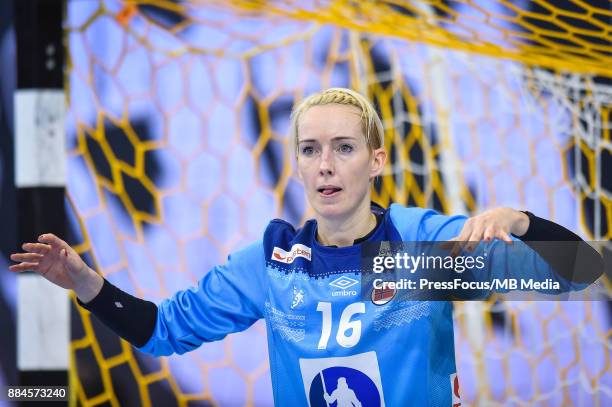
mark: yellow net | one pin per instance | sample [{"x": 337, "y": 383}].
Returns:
[
  {"x": 567, "y": 35},
  {"x": 177, "y": 120}
]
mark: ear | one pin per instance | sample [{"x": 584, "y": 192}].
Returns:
[{"x": 379, "y": 158}]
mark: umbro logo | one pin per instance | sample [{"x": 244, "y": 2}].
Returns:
[{"x": 344, "y": 283}]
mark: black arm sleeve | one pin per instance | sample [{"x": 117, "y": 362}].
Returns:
[
  {"x": 129, "y": 317},
  {"x": 544, "y": 230},
  {"x": 577, "y": 262}
]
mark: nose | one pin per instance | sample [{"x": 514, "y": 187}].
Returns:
[{"x": 326, "y": 165}]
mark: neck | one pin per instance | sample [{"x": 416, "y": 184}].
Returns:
[{"x": 343, "y": 232}]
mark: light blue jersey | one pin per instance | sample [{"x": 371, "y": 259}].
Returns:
[{"x": 328, "y": 345}]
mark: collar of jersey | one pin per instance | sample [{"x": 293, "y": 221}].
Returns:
[{"x": 376, "y": 235}]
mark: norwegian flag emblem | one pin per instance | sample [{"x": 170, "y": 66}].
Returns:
[{"x": 381, "y": 296}]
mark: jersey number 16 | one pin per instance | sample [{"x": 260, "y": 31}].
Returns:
[{"x": 344, "y": 340}]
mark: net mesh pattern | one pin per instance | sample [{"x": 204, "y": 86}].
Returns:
[{"x": 178, "y": 155}]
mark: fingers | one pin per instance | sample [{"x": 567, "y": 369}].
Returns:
[
  {"x": 36, "y": 248},
  {"x": 458, "y": 246},
  {"x": 29, "y": 261},
  {"x": 27, "y": 257},
  {"x": 472, "y": 233},
  {"x": 487, "y": 227},
  {"x": 501, "y": 235},
  {"x": 35, "y": 252},
  {"x": 51, "y": 239},
  {"x": 477, "y": 236},
  {"x": 24, "y": 267},
  {"x": 474, "y": 239},
  {"x": 489, "y": 234},
  {"x": 448, "y": 244},
  {"x": 455, "y": 245},
  {"x": 462, "y": 239}
]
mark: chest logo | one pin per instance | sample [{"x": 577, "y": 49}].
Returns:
[
  {"x": 297, "y": 250},
  {"x": 381, "y": 296},
  {"x": 343, "y": 283}
]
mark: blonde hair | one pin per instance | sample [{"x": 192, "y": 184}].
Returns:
[{"x": 371, "y": 123}]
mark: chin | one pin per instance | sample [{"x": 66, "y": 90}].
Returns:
[{"x": 330, "y": 210}]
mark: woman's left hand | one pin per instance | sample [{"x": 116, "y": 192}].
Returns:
[{"x": 495, "y": 223}]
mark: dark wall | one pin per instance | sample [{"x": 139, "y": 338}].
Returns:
[{"x": 7, "y": 195}]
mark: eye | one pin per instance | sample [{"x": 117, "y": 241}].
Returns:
[
  {"x": 307, "y": 150},
  {"x": 345, "y": 148}
]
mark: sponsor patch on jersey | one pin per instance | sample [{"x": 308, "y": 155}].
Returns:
[
  {"x": 297, "y": 250},
  {"x": 381, "y": 296},
  {"x": 343, "y": 381},
  {"x": 455, "y": 389}
]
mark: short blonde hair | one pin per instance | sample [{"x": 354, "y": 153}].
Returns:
[{"x": 371, "y": 123}]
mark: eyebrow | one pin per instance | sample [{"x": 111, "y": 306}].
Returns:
[{"x": 333, "y": 139}]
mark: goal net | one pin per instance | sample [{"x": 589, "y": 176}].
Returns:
[{"x": 178, "y": 154}]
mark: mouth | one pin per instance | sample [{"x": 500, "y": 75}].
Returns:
[{"x": 328, "y": 190}]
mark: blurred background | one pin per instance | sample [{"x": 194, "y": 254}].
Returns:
[{"x": 177, "y": 154}]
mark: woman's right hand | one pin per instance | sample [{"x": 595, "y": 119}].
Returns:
[{"x": 56, "y": 261}]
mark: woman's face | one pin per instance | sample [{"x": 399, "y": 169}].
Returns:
[{"x": 334, "y": 161}]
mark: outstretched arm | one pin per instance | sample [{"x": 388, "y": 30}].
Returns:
[
  {"x": 229, "y": 298},
  {"x": 500, "y": 223},
  {"x": 55, "y": 260},
  {"x": 573, "y": 261}
]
